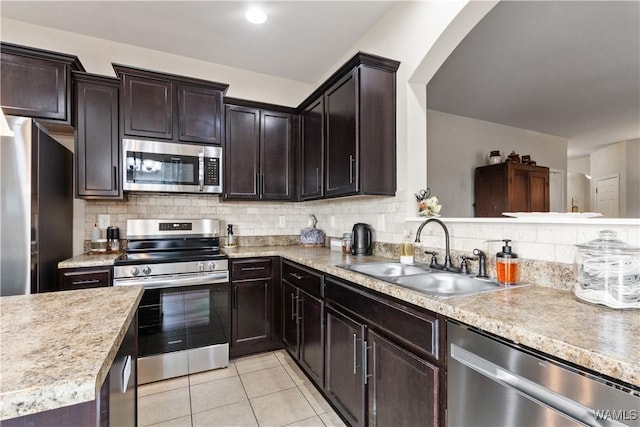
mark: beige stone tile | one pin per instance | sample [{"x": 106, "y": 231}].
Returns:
[
  {"x": 214, "y": 394},
  {"x": 256, "y": 363},
  {"x": 309, "y": 422},
  {"x": 331, "y": 419},
  {"x": 281, "y": 408},
  {"x": 238, "y": 414},
  {"x": 164, "y": 406},
  {"x": 295, "y": 373},
  {"x": 177, "y": 422},
  {"x": 160, "y": 386},
  {"x": 283, "y": 356},
  {"x": 316, "y": 400},
  {"x": 215, "y": 374},
  {"x": 265, "y": 381}
]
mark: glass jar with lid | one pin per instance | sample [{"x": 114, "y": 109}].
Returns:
[
  {"x": 608, "y": 272},
  {"x": 346, "y": 243}
]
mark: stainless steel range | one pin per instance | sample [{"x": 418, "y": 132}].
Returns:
[{"x": 183, "y": 317}]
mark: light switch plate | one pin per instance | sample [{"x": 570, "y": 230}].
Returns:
[{"x": 104, "y": 221}]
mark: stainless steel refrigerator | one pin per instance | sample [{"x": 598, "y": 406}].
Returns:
[{"x": 36, "y": 211}]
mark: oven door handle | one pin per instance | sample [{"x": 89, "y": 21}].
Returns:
[
  {"x": 201, "y": 170},
  {"x": 174, "y": 281}
]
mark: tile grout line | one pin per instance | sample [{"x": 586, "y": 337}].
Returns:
[{"x": 255, "y": 417}]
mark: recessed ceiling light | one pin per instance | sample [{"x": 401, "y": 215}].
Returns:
[{"x": 255, "y": 15}]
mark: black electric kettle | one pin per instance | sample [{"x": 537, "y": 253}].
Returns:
[{"x": 362, "y": 237}]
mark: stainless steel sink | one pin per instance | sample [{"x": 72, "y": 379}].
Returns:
[
  {"x": 385, "y": 270},
  {"x": 421, "y": 278}
]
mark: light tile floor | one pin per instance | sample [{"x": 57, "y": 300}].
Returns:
[{"x": 268, "y": 389}]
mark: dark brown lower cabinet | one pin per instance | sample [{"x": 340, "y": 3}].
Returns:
[
  {"x": 345, "y": 376},
  {"x": 302, "y": 318},
  {"x": 402, "y": 388},
  {"x": 253, "y": 321},
  {"x": 383, "y": 359}
]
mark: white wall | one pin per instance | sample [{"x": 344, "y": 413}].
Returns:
[
  {"x": 578, "y": 185},
  {"x": 457, "y": 145},
  {"x": 633, "y": 178},
  {"x": 607, "y": 162}
]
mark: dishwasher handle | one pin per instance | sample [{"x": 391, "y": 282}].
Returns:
[{"x": 531, "y": 390}]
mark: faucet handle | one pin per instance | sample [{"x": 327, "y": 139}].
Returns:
[
  {"x": 464, "y": 267},
  {"x": 433, "y": 254}
]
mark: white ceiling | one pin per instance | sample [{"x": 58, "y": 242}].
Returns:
[
  {"x": 565, "y": 68},
  {"x": 300, "y": 41}
]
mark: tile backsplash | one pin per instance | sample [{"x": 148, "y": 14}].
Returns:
[{"x": 547, "y": 250}]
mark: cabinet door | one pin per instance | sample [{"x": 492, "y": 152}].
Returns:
[
  {"x": 312, "y": 147},
  {"x": 34, "y": 87},
  {"x": 242, "y": 150},
  {"x": 344, "y": 380},
  {"x": 199, "y": 113},
  {"x": 275, "y": 155},
  {"x": 289, "y": 317},
  {"x": 251, "y": 316},
  {"x": 402, "y": 388},
  {"x": 340, "y": 115},
  {"x": 97, "y": 140},
  {"x": 519, "y": 191},
  {"x": 148, "y": 107},
  {"x": 311, "y": 311},
  {"x": 539, "y": 191}
]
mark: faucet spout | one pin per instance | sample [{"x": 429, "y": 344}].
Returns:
[{"x": 447, "y": 258}]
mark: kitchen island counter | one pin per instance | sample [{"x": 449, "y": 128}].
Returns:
[
  {"x": 549, "y": 320},
  {"x": 56, "y": 348}
]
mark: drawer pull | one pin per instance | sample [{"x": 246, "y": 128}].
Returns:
[
  {"x": 355, "y": 353},
  {"x": 86, "y": 282},
  {"x": 252, "y": 268},
  {"x": 297, "y": 276}
]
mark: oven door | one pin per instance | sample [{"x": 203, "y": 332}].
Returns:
[
  {"x": 170, "y": 167},
  {"x": 183, "y": 318}
]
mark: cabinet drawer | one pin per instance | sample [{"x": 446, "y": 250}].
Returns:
[
  {"x": 85, "y": 278},
  {"x": 307, "y": 280},
  {"x": 251, "y": 268},
  {"x": 413, "y": 329}
]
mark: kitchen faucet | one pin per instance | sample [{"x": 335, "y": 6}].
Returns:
[{"x": 447, "y": 257}]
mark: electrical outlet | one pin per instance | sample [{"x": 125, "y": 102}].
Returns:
[
  {"x": 281, "y": 221},
  {"x": 104, "y": 221}
]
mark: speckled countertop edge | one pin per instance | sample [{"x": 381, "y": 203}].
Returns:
[
  {"x": 549, "y": 320},
  {"x": 49, "y": 362},
  {"x": 86, "y": 260}
]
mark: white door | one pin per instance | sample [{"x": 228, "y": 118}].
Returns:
[{"x": 608, "y": 196}]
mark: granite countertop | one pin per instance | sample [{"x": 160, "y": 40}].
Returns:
[
  {"x": 548, "y": 320},
  {"x": 86, "y": 260},
  {"x": 56, "y": 348}
]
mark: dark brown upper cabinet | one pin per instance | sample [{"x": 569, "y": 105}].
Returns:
[
  {"x": 312, "y": 151},
  {"x": 350, "y": 122},
  {"x": 258, "y": 151},
  {"x": 170, "y": 107},
  {"x": 37, "y": 83},
  {"x": 97, "y": 142}
]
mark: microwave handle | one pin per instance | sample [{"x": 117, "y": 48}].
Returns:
[{"x": 201, "y": 170}]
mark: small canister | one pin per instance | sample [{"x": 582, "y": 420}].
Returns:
[
  {"x": 495, "y": 157},
  {"x": 113, "y": 239},
  {"x": 346, "y": 243}
]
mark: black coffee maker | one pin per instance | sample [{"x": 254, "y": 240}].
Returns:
[{"x": 362, "y": 237}]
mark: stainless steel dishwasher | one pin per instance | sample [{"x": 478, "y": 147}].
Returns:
[{"x": 493, "y": 382}]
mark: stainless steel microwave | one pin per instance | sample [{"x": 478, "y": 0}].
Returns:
[{"x": 171, "y": 167}]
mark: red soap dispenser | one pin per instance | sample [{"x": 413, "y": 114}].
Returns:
[{"x": 507, "y": 265}]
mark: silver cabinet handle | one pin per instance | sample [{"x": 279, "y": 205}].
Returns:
[
  {"x": 85, "y": 282},
  {"x": 297, "y": 276},
  {"x": 365, "y": 350},
  {"x": 293, "y": 306},
  {"x": 317, "y": 180},
  {"x": 252, "y": 268},
  {"x": 355, "y": 353},
  {"x": 351, "y": 162},
  {"x": 299, "y": 306}
]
